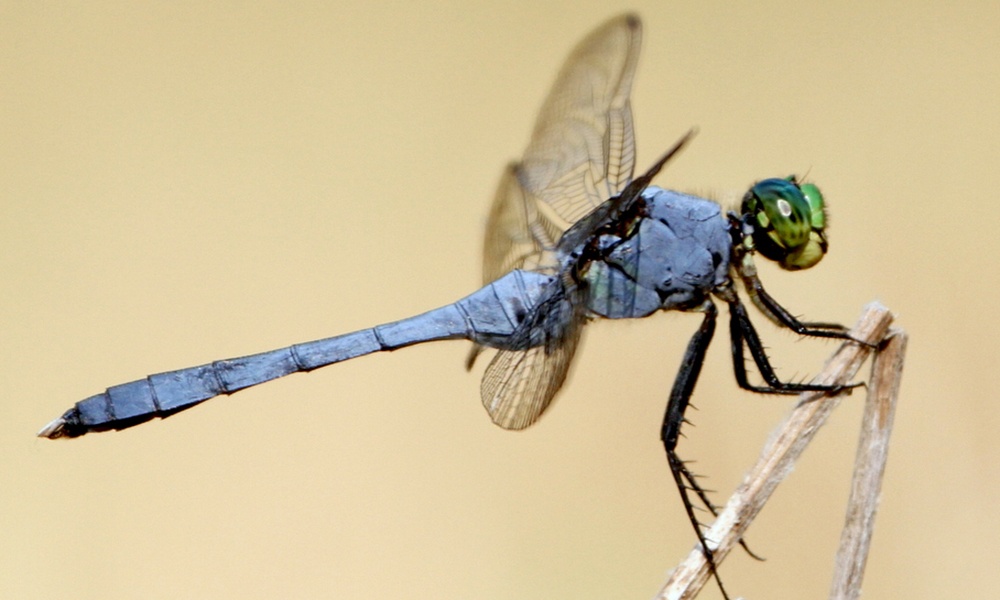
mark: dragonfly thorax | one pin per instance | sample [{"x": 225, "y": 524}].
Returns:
[{"x": 672, "y": 258}]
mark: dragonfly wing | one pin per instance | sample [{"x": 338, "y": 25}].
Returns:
[
  {"x": 581, "y": 153},
  {"x": 517, "y": 236},
  {"x": 582, "y": 150},
  {"x": 520, "y": 381}
]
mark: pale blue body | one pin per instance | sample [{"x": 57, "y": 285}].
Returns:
[{"x": 672, "y": 259}]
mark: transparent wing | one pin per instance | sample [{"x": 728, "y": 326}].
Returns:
[
  {"x": 517, "y": 236},
  {"x": 582, "y": 152},
  {"x": 519, "y": 383}
]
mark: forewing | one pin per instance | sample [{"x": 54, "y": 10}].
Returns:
[
  {"x": 520, "y": 381},
  {"x": 582, "y": 150},
  {"x": 581, "y": 153}
]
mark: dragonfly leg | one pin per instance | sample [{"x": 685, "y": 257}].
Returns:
[
  {"x": 780, "y": 315},
  {"x": 680, "y": 396},
  {"x": 742, "y": 331}
]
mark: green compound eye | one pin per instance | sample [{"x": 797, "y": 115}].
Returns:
[{"x": 788, "y": 221}]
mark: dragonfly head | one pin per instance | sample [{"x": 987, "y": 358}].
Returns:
[{"x": 788, "y": 221}]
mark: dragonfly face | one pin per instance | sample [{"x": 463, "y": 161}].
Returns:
[{"x": 788, "y": 221}]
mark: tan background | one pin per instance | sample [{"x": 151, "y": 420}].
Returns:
[{"x": 181, "y": 184}]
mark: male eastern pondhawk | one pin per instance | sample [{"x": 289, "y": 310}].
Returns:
[{"x": 571, "y": 236}]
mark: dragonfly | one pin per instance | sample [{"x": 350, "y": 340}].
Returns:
[{"x": 571, "y": 236}]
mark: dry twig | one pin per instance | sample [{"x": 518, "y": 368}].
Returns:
[{"x": 869, "y": 465}]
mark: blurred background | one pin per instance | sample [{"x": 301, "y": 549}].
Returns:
[{"x": 187, "y": 181}]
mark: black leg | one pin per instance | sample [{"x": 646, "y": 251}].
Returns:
[
  {"x": 780, "y": 315},
  {"x": 742, "y": 330},
  {"x": 680, "y": 396}
]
